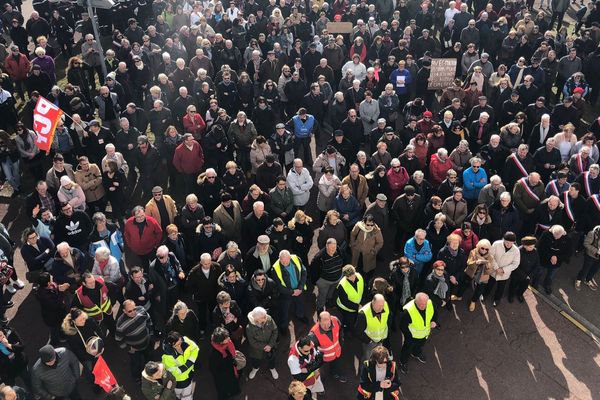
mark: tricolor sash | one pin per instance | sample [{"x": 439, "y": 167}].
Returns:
[
  {"x": 519, "y": 165},
  {"x": 580, "y": 167},
  {"x": 596, "y": 199},
  {"x": 586, "y": 183},
  {"x": 528, "y": 190},
  {"x": 568, "y": 209}
]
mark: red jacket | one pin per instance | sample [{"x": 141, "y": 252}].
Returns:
[
  {"x": 195, "y": 127},
  {"x": 17, "y": 70},
  {"x": 188, "y": 161},
  {"x": 148, "y": 241},
  {"x": 397, "y": 181},
  {"x": 438, "y": 169}
]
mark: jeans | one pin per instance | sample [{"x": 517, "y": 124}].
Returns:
[
  {"x": 326, "y": 292},
  {"x": 588, "y": 269},
  {"x": 12, "y": 172},
  {"x": 285, "y": 300},
  {"x": 549, "y": 278}
]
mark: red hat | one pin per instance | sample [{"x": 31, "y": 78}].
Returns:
[
  {"x": 428, "y": 114},
  {"x": 578, "y": 90}
]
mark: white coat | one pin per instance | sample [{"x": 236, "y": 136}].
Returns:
[{"x": 507, "y": 260}]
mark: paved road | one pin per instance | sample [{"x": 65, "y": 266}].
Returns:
[{"x": 488, "y": 354}]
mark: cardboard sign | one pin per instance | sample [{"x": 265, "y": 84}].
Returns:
[
  {"x": 339, "y": 27},
  {"x": 442, "y": 73}
]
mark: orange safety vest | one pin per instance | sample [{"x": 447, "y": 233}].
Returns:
[
  {"x": 331, "y": 349},
  {"x": 312, "y": 377},
  {"x": 93, "y": 310}
]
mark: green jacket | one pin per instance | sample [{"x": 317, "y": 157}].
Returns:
[
  {"x": 281, "y": 202},
  {"x": 153, "y": 390}
]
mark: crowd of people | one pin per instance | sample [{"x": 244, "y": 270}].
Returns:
[{"x": 241, "y": 162}]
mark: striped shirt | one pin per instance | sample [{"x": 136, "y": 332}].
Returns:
[{"x": 134, "y": 331}]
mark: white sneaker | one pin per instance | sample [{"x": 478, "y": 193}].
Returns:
[
  {"x": 11, "y": 289},
  {"x": 252, "y": 373},
  {"x": 18, "y": 284},
  {"x": 274, "y": 373},
  {"x": 578, "y": 285}
]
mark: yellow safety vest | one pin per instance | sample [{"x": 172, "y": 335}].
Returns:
[
  {"x": 297, "y": 263},
  {"x": 354, "y": 295},
  {"x": 377, "y": 329},
  {"x": 182, "y": 365},
  {"x": 419, "y": 329}
]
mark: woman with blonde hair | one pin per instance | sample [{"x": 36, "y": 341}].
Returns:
[
  {"x": 510, "y": 136},
  {"x": 302, "y": 234},
  {"x": 70, "y": 192},
  {"x": 297, "y": 391},
  {"x": 480, "y": 265}
]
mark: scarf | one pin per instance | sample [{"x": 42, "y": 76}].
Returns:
[
  {"x": 441, "y": 289},
  {"x": 228, "y": 347},
  {"x": 405, "y": 287}
]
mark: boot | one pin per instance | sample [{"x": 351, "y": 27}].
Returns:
[{"x": 472, "y": 306}]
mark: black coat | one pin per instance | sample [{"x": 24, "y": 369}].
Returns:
[
  {"x": 202, "y": 288},
  {"x": 222, "y": 370}
]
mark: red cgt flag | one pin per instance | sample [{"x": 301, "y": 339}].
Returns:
[
  {"x": 45, "y": 117},
  {"x": 103, "y": 376}
]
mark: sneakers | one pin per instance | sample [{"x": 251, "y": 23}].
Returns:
[
  {"x": 274, "y": 373},
  {"x": 455, "y": 298},
  {"x": 252, "y": 373},
  {"x": 11, "y": 289},
  {"x": 18, "y": 284},
  {"x": 472, "y": 306},
  {"x": 404, "y": 368},
  {"x": 419, "y": 357},
  {"x": 481, "y": 298},
  {"x": 591, "y": 286},
  {"x": 578, "y": 285},
  {"x": 496, "y": 303}
]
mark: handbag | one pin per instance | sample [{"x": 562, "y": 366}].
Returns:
[
  {"x": 94, "y": 345},
  {"x": 240, "y": 360}
]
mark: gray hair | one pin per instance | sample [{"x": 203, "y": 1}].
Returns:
[
  {"x": 258, "y": 312},
  {"x": 495, "y": 179},
  {"x": 205, "y": 256},
  {"x": 103, "y": 253},
  {"x": 418, "y": 174},
  {"x": 505, "y": 196},
  {"x": 474, "y": 160},
  {"x": 180, "y": 305}
]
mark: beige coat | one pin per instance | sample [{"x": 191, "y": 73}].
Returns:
[
  {"x": 363, "y": 188},
  {"x": 152, "y": 209},
  {"x": 472, "y": 265},
  {"x": 231, "y": 227},
  {"x": 91, "y": 182},
  {"x": 366, "y": 243}
]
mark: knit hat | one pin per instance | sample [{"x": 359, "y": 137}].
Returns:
[
  {"x": 578, "y": 90},
  {"x": 47, "y": 354},
  {"x": 65, "y": 180}
]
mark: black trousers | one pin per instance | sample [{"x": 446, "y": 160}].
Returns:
[
  {"x": 411, "y": 346},
  {"x": 205, "y": 309},
  {"x": 499, "y": 288}
]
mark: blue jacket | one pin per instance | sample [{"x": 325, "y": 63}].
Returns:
[
  {"x": 350, "y": 207},
  {"x": 473, "y": 183},
  {"x": 114, "y": 242},
  {"x": 400, "y": 90},
  {"x": 419, "y": 258},
  {"x": 303, "y": 130}
]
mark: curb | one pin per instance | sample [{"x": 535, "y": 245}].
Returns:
[{"x": 572, "y": 316}]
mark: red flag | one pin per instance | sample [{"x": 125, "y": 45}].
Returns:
[
  {"x": 103, "y": 376},
  {"x": 45, "y": 117}
]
